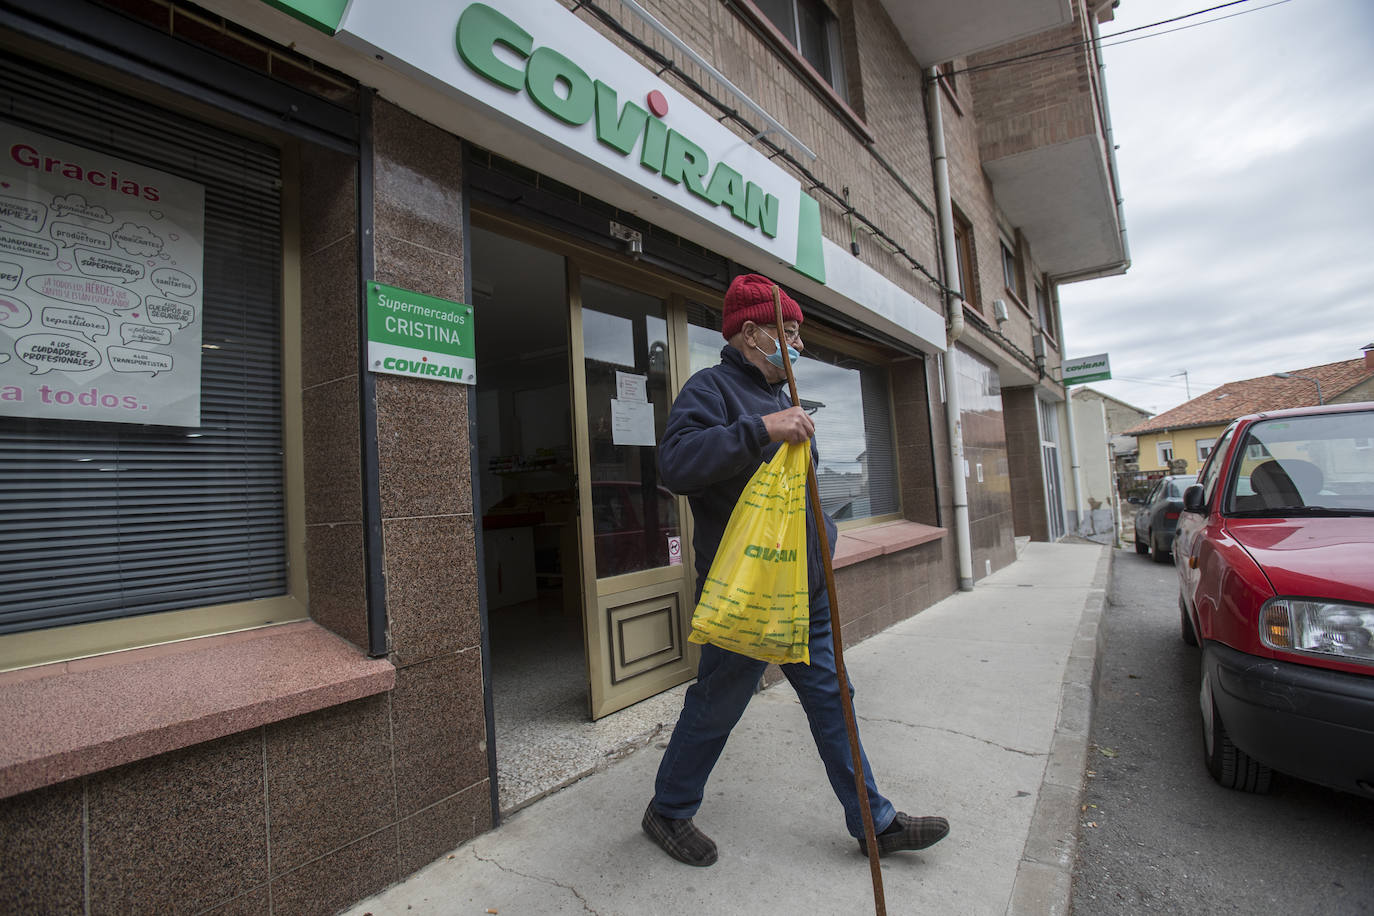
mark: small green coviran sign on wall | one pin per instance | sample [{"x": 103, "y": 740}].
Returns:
[
  {"x": 1087, "y": 369},
  {"x": 409, "y": 333}
]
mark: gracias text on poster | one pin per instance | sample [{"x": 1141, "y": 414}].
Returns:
[{"x": 101, "y": 274}]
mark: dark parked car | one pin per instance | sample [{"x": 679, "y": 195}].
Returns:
[
  {"x": 1275, "y": 556},
  {"x": 1157, "y": 516}
]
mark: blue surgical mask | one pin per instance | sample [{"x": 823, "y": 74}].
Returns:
[{"x": 776, "y": 356}]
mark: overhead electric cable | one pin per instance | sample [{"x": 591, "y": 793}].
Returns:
[{"x": 1103, "y": 41}]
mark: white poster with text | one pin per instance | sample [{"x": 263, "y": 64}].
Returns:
[{"x": 101, "y": 276}]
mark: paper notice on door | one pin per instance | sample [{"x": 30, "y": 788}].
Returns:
[
  {"x": 632, "y": 422},
  {"x": 630, "y": 387}
]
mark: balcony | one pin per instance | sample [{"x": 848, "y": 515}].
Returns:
[
  {"x": 1042, "y": 143},
  {"x": 937, "y": 30}
]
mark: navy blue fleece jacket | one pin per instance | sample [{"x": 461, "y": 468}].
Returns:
[{"x": 714, "y": 443}]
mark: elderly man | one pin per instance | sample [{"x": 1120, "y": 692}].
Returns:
[{"x": 726, "y": 421}]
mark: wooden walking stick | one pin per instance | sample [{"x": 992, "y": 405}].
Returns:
[{"x": 846, "y": 703}]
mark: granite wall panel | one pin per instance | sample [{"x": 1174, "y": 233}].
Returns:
[
  {"x": 439, "y": 724},
  {"x": 332, "y": 882},
  {"x": 180, "y": 832},
  {"x": 330, "y": 780},
  {"x": 433, "y": 831},
  {"x": 41, "y": 851}
]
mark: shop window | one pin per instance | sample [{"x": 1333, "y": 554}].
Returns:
[
  {"x": 171, "y": 287},
  {"x": 810, "y": 27},
  {"x": 849, "y": 401}
]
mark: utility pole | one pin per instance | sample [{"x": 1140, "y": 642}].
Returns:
[{"x": 1186, "y": 388}]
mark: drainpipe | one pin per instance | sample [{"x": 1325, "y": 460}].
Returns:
[
  {"x": 954, "y": 308},
  {"x": 1068, "y": 410}
]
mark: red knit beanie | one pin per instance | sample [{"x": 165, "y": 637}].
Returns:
[{"x": 750, "y": 298}]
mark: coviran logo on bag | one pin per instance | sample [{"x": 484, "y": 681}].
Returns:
[
  {"x": 755, "y": 600},
  {"x": 771, "y": 553}
]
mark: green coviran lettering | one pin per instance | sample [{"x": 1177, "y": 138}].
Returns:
[
  {"x": 771, "y": 554},
  {"x": 545, "y": 72},
  {"x": 619, "y": 133},
  {"x": 727, "y": 187},
  {"x": 480, "y": 30},
  {"x": 686, "y": 162},
  {"x": 565, "y": 91},
  {"x": 417, "y": 367}
]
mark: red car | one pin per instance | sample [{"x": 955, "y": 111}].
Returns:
[{"x": 1275, "y": 556}]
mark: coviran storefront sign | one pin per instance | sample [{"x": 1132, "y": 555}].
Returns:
[{"x": 545, "y": 73}]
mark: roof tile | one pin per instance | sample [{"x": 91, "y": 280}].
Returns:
[{"x": 1236, "y": 399}]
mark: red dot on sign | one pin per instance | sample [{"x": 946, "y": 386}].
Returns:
[
  {"x": 658, "y": 104},
  {"x": 424, "y": 359}
]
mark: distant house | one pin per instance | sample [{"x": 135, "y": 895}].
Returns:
[
  {"x": 1187, "y": 433},
  {"x": 1103, "y": 452}
]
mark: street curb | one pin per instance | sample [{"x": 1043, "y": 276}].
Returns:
[{"x": 1044, "y": 876}]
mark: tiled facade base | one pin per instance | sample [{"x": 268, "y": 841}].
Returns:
[{"x": 304, "y": 813}]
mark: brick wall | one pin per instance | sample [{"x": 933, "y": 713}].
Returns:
[
  {"x": 886, "y": 91},
  {"x": 1040, "y": 101}
]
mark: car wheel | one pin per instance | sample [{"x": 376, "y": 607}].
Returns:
[
  {"x": 1231, "y": 767},
  {"x": 1159, "y": 556},
  {"x": 1140, "y": 546},
  {"x": 1185, "y": 623}
]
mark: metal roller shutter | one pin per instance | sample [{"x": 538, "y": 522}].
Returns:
[{"x": 105, "y": 520}]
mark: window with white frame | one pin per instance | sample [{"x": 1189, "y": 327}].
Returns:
[
  {"x": 811, "y": 28},
  {"x": 1045, "y": 308},
  {"x": 1165, "y": 452},
  {"x": 1204, "y": 448},
  {"x": 963, "y": 246},
  {"x": 1011, "y": 271}
]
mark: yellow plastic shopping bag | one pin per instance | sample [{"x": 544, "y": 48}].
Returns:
[{"x": 755, "y": 600}]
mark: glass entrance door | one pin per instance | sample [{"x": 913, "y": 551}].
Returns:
[{"x": 638, "y": 605}]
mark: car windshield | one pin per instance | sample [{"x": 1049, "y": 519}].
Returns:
[{"x": 1322, "y": 464}]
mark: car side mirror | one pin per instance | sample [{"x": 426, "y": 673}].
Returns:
[
  {"x": 1135, "y": 500},
  {"x": 1193, "y": 500}
]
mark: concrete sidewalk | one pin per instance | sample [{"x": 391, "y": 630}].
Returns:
[{"x": 978, "y": 709}]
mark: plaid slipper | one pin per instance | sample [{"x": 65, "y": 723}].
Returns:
[
  {"x": 679, "y": 838},
  {"x": 909, "y": 833}
]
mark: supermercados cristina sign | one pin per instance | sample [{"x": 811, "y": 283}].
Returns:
[{"x": 533, "y": 82}]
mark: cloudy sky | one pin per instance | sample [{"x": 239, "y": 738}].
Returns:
[{"x": 1247, "y": 165}]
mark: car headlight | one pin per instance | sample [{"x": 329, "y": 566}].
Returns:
[{"x": 1320, "y": 627}]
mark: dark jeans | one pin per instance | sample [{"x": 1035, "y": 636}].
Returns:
[{"x": 725, "y": 684}]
